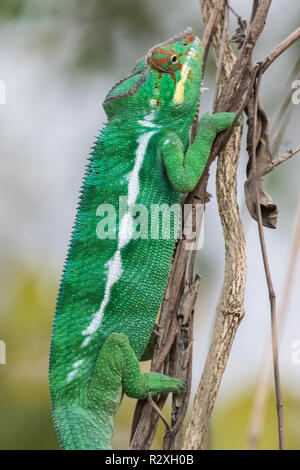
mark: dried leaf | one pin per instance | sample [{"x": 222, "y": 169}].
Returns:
[
  {"x": 240, "y": 33},
  {"x": 269, "y": 209}
]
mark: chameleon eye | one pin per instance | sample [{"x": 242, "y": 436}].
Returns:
[{"x": 174, "y": 59}]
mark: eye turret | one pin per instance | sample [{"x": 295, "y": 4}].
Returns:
[{"x": 164, "y": 59}]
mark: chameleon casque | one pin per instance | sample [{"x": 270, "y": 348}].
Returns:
[{"x": 112, "y": 288}]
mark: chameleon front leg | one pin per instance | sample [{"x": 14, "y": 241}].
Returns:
[{"x": 185, "y": 170}]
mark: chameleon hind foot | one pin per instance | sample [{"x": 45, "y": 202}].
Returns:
[
  {"x": 118, "y": 370},
  {"x": 155, "y": 383}
]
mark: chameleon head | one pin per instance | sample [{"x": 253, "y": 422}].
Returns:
[
  {"x": 181, "y": 58},
  {"x": 167, "y": 79}
]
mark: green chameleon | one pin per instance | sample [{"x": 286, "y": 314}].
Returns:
[{"x": 112, "y": 286}]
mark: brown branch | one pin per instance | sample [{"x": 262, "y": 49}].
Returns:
[
  {"x": 230, "y": 310},
  {"x": 145, "y": 420},
  {"x": 238, "y": 75},
  {"x": 272, "y": 295},
  {"x": 219, "y": 4},
  {"x": 206, "y": 40},
  {"x": 221, "y": 57},
  {"x": 258, "y": 410},
  {"x": 283, "y": 46},
  {"x": 158, "y": 411},
  {"x": 276, "y": 162},
  {"x": 181, "y": 358},
  {"x": 226, "y": 324},
  {"x": 283, "y": 158}
]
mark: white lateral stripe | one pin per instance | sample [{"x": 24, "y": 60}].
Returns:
[
  {"x": 114, "y": 274},
  {"x": 73, "y": 372},
  {"x": 125, "y": 231}
]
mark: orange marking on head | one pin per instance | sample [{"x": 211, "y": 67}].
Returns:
[{"x": 189, "y": 38}]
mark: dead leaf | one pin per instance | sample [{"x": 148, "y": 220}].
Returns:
[{"x": 269, "y": 209}]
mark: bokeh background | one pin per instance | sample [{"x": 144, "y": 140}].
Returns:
[{"x": 58, "y": 60}]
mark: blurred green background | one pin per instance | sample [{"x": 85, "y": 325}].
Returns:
[{"x": 58, "y": 60}]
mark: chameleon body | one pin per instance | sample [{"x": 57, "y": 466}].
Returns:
[{"x": 112, "y": 287}]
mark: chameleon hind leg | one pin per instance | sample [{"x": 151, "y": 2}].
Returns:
[{"x": 117, "y": 371}]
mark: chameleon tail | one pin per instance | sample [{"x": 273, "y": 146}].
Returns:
[{"x": 81, "y": 429}]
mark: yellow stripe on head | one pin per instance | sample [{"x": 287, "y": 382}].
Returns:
[{"x": 179, "y": 90}]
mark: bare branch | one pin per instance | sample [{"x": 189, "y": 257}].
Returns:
[
  {"x": 212, "y": 23},
  {"x": 230, "y": 310},
  {"x": 237, "y": 78},
  {"x": 206, "y": 43},
  {"x": 283, "y": 158},
  {"x": 276, "y": 162},
  {"x": 283, "y": 46},
  {"x": 221, "y": 57},
  {"x": 144, "y": 423},
  {"x": 158, "y": 411},
  {"x": 272, "y": 296},
  {"x": 263, "y": 383}
]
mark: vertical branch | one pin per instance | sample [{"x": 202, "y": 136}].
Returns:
[
  {"x": 172, "y": 321},
  {"x": 230, "y": 310},
  {"x": 221, "y": 57},
  {"x": 272, "y": 295},
  {"x": 263, "y": 383}
]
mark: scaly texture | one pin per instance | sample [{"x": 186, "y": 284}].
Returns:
[{"x": 113, "y": 282}]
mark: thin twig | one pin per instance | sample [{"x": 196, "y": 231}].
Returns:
[
  {"x": 276, "y": 162},
  {"x": 263, "y": 382},
  {"x": 272, "y": 296},
  {"x": 158, "y": 411},
  {"x": 283, "y": 46},
  {"x": 283, "y": 158}
]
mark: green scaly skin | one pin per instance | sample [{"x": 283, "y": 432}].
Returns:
[{"x": 112, "y": 288}]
